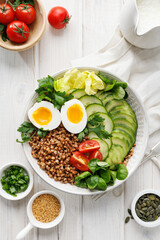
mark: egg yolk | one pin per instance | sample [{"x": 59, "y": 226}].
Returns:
[
  {"x": 75, "y": 113},
  {"x": 42, "y": 116}
]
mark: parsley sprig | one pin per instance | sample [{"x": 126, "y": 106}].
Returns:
[
  {"x": 95, "y": 124},
  {"x": 27, "y": 131},
  {"x": 47, "y": 92}
]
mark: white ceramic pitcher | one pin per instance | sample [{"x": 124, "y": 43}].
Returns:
[{"x": 128, "y": 24}]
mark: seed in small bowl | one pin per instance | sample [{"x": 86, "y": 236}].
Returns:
[
  {"x": 46, "y": 208},
  {"x": 146, "y": 208}
]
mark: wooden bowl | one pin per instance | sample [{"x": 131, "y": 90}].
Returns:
[{"x": 37, "y": 29}]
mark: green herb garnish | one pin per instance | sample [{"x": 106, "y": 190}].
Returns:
[
  {"x": 15, "y": 180},
  {"x": 47, "y": 92},
  {"x": 27, "y": 131}
]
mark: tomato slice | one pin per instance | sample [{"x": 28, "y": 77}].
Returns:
[
  {"x": 96, "y": 154},
  {"x": 80, "y": 161},
  {"x": 89, "y": 146}
]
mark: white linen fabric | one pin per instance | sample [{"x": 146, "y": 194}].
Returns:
[{"x": 139, "y": 67}]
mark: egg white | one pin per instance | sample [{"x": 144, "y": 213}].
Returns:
[
  {"x": 56, "y": 116},
  {"x": 73, "y": 127}
]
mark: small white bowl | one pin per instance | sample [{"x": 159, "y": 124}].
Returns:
[
  {"x": 21, "y": 195},
  {"x": 32, "y": 220},
  {"x": 136, "y": 218}
]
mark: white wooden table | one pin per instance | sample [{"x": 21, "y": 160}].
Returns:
[{"x": 91, "y": 26}]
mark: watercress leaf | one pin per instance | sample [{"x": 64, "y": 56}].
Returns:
[
  {"x": 114, "y": 167},
  {"x": 81, "y": 135},
  {"x": 118, "y": 92},
  {"x": 92, "y": 181},
  {"x": 41, "y": 133},
  {"x": 103, "y": 164},
  {"x": 113, "y": 176},
  {"x": 93, "y": 165},
  {"x": 110, "y": 86},
  {"x": 60, "y": 100},
  {"x": 100, "y": 132},
  {"x": 82, "y": 183},
  {"x": 105, "y": 174},
  {"x": 121, "y": 84},
  {"x": 82, "y": 176},
  {"x": 103, "y": 78},
  {"x": 1, "y": 27},
  {"x": 101, "y": 184},
  {"x": 122, "y": 172}
]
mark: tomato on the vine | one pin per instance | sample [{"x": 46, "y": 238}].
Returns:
[
  {"x": 58, "y": 17},
  {"x": 25, "y": 13},
  {"x": 7, "y": 14},
  {"x": 18, "y": 31}
]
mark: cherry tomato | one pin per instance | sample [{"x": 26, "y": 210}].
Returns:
[
  {"x": 25, "y": 13},
  {"x": 80, "y": 161},
  {"x": 18, "y": 31},
  {"x": 58, "y": 17},
  {"x": 89, "y": 146},
  {"x": 7, "y": 14},
  {"x": 96, "y": 154}
]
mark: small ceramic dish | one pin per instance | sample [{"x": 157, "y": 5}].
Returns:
[
  {"x": 133, "y": 207},
  {"x": 37, "y": 29},
  {"x": 21, "y": 195},
  {"x": 32, "y": 220}
]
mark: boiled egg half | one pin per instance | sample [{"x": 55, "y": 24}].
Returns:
[
  {"x": 44, "y": 115},
  {"x": 73, "y": 115}
]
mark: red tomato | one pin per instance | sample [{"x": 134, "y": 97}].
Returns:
[
  {"x": 7, "y": 14},
  {"x": 89, "y": 146},
  {"x": 58, "y": 17},
  {"x": 80, "y": 161},
  {"x": 18, "y": 31},
  {"x": 96, "y": 154},
  {"x": 25, "y": 13}
]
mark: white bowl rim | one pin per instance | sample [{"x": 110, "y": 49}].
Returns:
[
  {"x": 136, "y": 218},
  {"x": 21, "y": 195},
  {"x": 39, "y": 224},
  {"x": 144, "y": 145}
]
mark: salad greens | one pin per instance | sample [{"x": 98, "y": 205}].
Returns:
[
  {"x": 117, "y": 88},
  {"x": 75, "y": 78},
  {"x": 15, "y": 180},
  {"x": 27, "y": 131},
  {"x": 101, "y": 175},
  {"x": 47, "y": 92},
  {"x": 95, "y": 124}
]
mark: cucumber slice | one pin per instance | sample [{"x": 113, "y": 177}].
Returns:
[
  {"x": 125, "y": 117},
  {"x": 92, "y": 135},
  {"x": 127, "y": 123},
  {"x": 123, "y": 127},
  {"x": 114, "y": 103},
  {"x": 107, "y": 121},
  {"x": 103, "y": 147},
  {"x": 123, "y": 137},
  {"x": 99, "y": 93},
  {"x": 115, "y": 154},
  {"x": 78, "y": 93},
  {"x": 126, "y": 135},
  {"x": 126, "y": 109},
  {"x": 95, "y": 107},
  {"x": 122, "y": 114},
  {"x": 107, "y": 99},
  {"x": 121, "y": 142},
  {"x": 103, "y": 95},
  {"x": 86, "y": 100}
]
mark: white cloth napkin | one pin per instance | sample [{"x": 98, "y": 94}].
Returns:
[{"x": 139, "y": 67}]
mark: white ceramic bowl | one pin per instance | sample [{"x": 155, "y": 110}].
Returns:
[
  {"x": 136, "y": 218},
  {"x": 141, "y": 139},
  {"x": 21, "y": 195},
  {"x": 34, "y": 223}
]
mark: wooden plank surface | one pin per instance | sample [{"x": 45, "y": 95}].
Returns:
[{"x": 91, "y": 27}]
